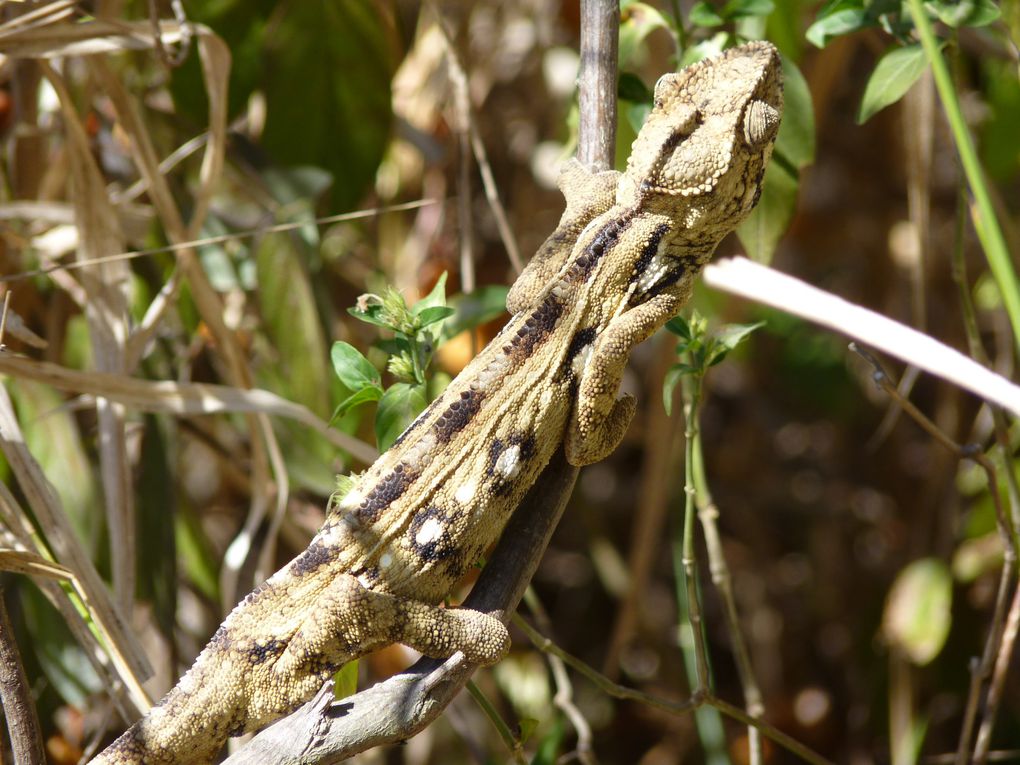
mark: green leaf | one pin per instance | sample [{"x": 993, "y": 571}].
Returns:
[
  {"x": 324, "y": 68},
  {"x": 840, "y": 22},
  {"x": 732, "y": 335},
  {"x": 728, "y": 338},
  {"x": 399, "y": 405},
  {"x": 740, "y": 9},
  {"x": 363, "y": 396},
  {"x": 526, "y": 726},
  {"x": 795, "y": 143},
  {"x": 298, "y": 369},
  {"x": 703, "y": 14},
  {"x": 336, "y": 59},
  {"x": 637, "y": 114},
  {"x": 345, "y": 681},
  {"x": 53, "y": 438},
  {"x": 895, "y": 72},
  {"x": 156, "y": 561},
  {"x": 766, "y": 224},
  {"x": 669, "y": 383},
  {"x": 374, "y": 313},
  {"x": 63, "y": 662},
  {"x": 482, "y": 305},
  {"x": 434, "y": 314},
  {"x": 918, "y": 610},
  {"x": 637, "y": 21},
  {"x": 630, "y": 87},
  {"x": 437, "y": 297},
  {"x": 353, "y": 369},
  {"x": 678, "y": 326},
  {"x": 965, "y": 13}
]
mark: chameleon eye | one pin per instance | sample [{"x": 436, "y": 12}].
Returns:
[
  {"x": 761, "y": 121},
  {"x": 665, "y": 89}
]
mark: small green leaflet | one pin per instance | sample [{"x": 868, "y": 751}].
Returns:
[{"x": 895, "y": 72}]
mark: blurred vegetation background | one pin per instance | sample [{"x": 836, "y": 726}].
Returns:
[{"x": 865, "y": 559}]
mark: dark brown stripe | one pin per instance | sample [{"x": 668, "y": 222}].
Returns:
[
  {"x": 600, "y": 244},
  {"x": 457, "y": 415},
  {"x": 389, "y": 489},
  {"x": 538, "y": 326},
  {"x": 315, "y": 556},
  {"x": 581, "y": 338}
]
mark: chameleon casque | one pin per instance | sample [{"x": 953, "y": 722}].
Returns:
[{"x": 620, "y": 264}]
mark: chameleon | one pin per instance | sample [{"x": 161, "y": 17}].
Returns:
[{"x": 621, "y": 262}]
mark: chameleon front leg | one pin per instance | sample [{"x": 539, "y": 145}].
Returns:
[
  {"x": 588, "y": 195},
  {"x": 600, "y": 420}
]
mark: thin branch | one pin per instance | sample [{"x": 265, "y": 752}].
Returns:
[{"x": 16, "y": 698}]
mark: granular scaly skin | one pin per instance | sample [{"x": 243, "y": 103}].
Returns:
[{"x": 621, "y": 262}]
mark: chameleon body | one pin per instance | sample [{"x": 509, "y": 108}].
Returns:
[{"x": 620, "y": 264}]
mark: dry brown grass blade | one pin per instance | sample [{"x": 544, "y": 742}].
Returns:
[
  {"x": 20, "y": 538},
  {"x": 215, "y": 58},
  {"x": 67, "y": 38},
  {"x": 266, "y": 461},
  {"x": 106, "y": 310},
  {"x": 63, "y": 542},
  {"x": 180, "y": 398}
]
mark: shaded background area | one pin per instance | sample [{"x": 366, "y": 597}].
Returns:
[{"x": 351, "y": 106}]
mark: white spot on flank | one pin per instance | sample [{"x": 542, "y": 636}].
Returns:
[
  {"x": 546, "y": 398},
  {"x": 385, "y": 560},
  {"x": 429, "y": 532},
  {"x": 508, "y": 464},
  {"x": 364, "y": 581},
  {"x": 466, "y": 492},
  {"x": 580, "y": 362},
  {"x": 654, "y": 272}
]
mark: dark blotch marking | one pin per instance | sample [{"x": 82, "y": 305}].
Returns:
[
  {"x": 581, "y": 338},
  {"x": 648, "y": 251},
  {"x": 501, "y": 486},
  {"x": 458, "y": 414},
  {"x": 389, "y": 489},
  {"x": 439, "y": 548},
  {"x": 315, "y": 556},
  {"x": 601, "y": 243},
  {"x": 538, "y": 326},
  {"x": 260, "y": 654}
]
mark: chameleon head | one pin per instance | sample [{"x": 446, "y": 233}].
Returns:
[{"x": 709, "y": 136}]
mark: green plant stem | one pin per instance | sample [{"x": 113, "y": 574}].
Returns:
[
  {"x": 723, "y": 581},
  {"x": 685, "y": 562},
  {"x": 993, "y": 242},
  {"x": 497, "y": 722},
  {"x": 688, "y": 560}
]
